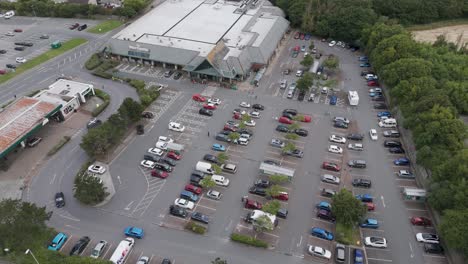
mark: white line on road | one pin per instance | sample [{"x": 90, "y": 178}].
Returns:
[
  {"x": 376, "y": 259},
  {"x": 128, "y": 206},
  {"x": 53, "y": 178},
  {"x": 411, "y": 249},
  {"x": 300, "y": 242},
  {"x": 383, "y": 201},
  {"x": 118, "y": 178},
  {"x": 228, "y": 226}
]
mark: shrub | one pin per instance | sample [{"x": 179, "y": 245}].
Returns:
[
  {"x": 195, "y": 228},
  {"x": 102, "y": 74},
  {"x": 93, "y": 62},
  {"x": 248, "y": 240},
  {"x": 105, "y": 97}
]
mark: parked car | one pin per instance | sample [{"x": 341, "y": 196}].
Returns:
[
  {"x": 33, "y": 141},
  {"x": 377, "y": 242},
  {"x": 427, "y": 238},
  {"x": 197, "y": 216},
  {"x": 421, "y": 221},
  {"x": 282, "y": 128},
  {"x": 402, "y": 161},
  {"x": 370, "y": 223},
  {"x": 218, "y": 147},
  {"x": 331, "y": 166},
  {"x": 133, "y": 231},
  {"x": 80, "y": 246},
  {"x": 391, "y": 133},
  {"x": 198, "y": 98},
  {"x": 252, "y": 204},
  {"x": 355, "y": 136},
  {"x": 358, "y": 255},
  {"x": 96, "y": 169},
  {"x": 295, "y": 153},
  {"x": 277, "y": 143},
  {"x": 99, "y": 249},
  {"x": 327, "y": 193},
  {"x": 325, "y": 215},
  {"x": 332, "y": 179},
  {"x": 59, "y": 200},
  {"x": 356, "y": 146},
  {"x": 357, "y": 164},
  {"x": 184, "y": 203},
  {"x": 215, "y": 195},
  {"x": 321, "y": 233},
  {"x": 337, "y": 139},
  {"x": 257, "y": 191},
  {"x": 205, "y": 112},
  {"x": 211, "y": 158},
  {"x": 433, "y": 248},
  {"x": 58, "y": 241},
  {"x": 301, "y": 132},
  {"x": 361, "y": 183},
  {"x": 285, "y": 120},
  {"x": 364, "y": 197},
  {"x": 340, "y": 124},
  {"x": 335, "y": 149},
  {"x": 178, "y": 211}
]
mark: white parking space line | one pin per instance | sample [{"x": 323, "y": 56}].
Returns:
[{"x": 384, "y": 260}]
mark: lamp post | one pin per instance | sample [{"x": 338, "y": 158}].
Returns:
[{"x": 28, "y": 251}]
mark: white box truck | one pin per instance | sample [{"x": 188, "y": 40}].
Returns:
[
  {"x": 122, "y": 251},
  {"x": 204, "y": 167}
]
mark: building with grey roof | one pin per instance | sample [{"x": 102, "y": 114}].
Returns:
[{"x": 210, "y": 39}]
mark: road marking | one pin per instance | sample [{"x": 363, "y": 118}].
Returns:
[
  {"x": 411, "y": 249},
  {"x": 118, "y": 178},
  {"x": 383, "y": 201},
  {"x": 228, "y": 226},
  {"x": 69, "y": 217},
  {"x": 128, "y": 205},
  {"x": 72, "y": 227},
  {"x": 53, "y": 178},
  {"x": 376, "y": 259},
  {"x": 299, "y": 243},
  {"x": 434, "y": 256}
]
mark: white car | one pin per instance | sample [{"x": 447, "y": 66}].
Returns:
[
  {"x": 244, "y": 104},
  {"x": 341, "y": 119},
  {"x": 324, "y": 90},
  {"x": 10, "y": 34},
  {"x": 165, "y": 139},
  {"x": 96, "y": 169},
  {"x": 335, "y": 149},
  {"x": 147, "y": 164},
  {"x": 332, "y": 179},
  {"x": 319, "y": 252},
  {"x": 176, "y": 127},
  {"x": 332, "y": 43},
  {"x": 371, "y": 76},
  {"x": 254, "y": 114},
  {"x": 161, "y": 145},
  {"x": 21, "y": 60},
  {"x": 215, "y": 101},
  {"x": 373, "y": 134},
  {"x": 356, "y": 146},
  {"x": 184, "y": 203},
  {"x": 337, "y": 139},
  {"x": 427, "y": 238},
  {"x": 378, "y": 242},
  {"x": 250, "y": 123},
  {"x": 215, "y": 195},
  {"x": 143, "y": 260},
  {"x": 156, "y": 151},
  {"x": 299, "y": 73}
]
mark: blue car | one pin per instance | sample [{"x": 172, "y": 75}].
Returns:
[
  {"x": 375, "y": 93},
  {"x": 57, "y": 242},
  {"x": 189, "y": 196},
  {"x": 321, "y": 233},
  {"x": 218, "y": 147},
  {"x": 401, "y": 161},
  {"x": 132, "y": 231},
  {"x": 384, "y": 113},
  {"x": 333, "y": 99},
  {"x": 365, "y": 65},
  {"x": 358, "y": 256},
  {"x": 307, "y": 36},
  {"x": 370, "y": 223},
  {"x": 324, "y": 206},
  {"x": 367, "y": 198},
  {"x": 363, "y": 58}
]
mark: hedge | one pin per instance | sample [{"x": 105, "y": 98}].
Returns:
[
  {"x": 102, "y": 74},
  {"x": 59, "y": 145},
  {"x": 93, "y": 62},
  {"x": 248, "y": 240},
  {"x": 195, "y": 228},
  {"x": 105, "y": 97}
]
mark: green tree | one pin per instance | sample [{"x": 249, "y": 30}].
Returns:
[
  {"x": 454, "y": 230},
  {"x": 293, "y": 126},
  {"x": 278, "y": 179},
  {"x": 96, "y": 143},
  {"x": 89, "y": 189},
  {"x": 332, "y": 62},
  {"x": 404, "y": 69},
  {"x": 307, "y": 61},
  {"x": 272, "y": 207},
  {"x": 312, "y": 45},
  {"x": 234, "y": 136},
  {"x": 131, "y": 110},
  {"x": 207, "y": 182},
  {"x": 346, "y": 208},
  {"x": 291, "y": 136},
  {"x": 218, "y": 260},
  {"x": 217, "y": 169},
  {"x": 289, "y": 147},
  {"x": 222, "y": 157},
  {"x": 304, "y": 83},
  {"x": 263, "y": 223},
  {"x": 274, "y": 190}
]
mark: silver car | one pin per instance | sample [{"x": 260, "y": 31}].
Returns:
[
  {"x": 330, "y": 179},
  {"x": 277, "y": 143}
]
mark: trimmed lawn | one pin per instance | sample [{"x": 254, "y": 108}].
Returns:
[
  {"x": 348, "y": 235},
  {"x": 71, "y": 44},
  {"x": 105, "y": 26}
]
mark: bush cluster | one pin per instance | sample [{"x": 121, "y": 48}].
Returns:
[
  {"x": 195, "y": 228},
  {"x": 248, "y": 240},
  {"x": 147, "y": 94},
  {"x": 106, "y": 101}
]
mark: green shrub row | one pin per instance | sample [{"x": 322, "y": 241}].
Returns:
[
  {"x": 59, "y": 145},
  {"x": 248, "y": 240},
  {"x": 195, "y": 228},
  {"x": 93, "y": 62},
  {"x": 106, "y": 101}
]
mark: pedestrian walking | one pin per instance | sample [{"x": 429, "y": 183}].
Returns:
[
  {"x": 208, "y": 133},
  {"x": 15, "y": 96}
]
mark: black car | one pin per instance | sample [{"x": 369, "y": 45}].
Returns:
[
  {"x": 290, "y": 111},
  {"x": 82, "y": 27},
  {"x": 27, "y": 44},
  {"x": 3, "y": 51},
  {"x": 205, "y": 112},
  {"x": 327, "y": 192},
  {"x": 282, "y": 213},
  {"x": 301, "y": 96},
  {"x": 222, "y": 137},
  {"x": 288, "y": 115},
  {"x": 262, "y": 183},
  {"x": 433, "y": 248},
  {"x": 20, "y": 48},
  {"x": 140, "y": 129},
  {"x": 355, "y": 136},
  {"x": 282, "y": 128},
  {"x": 197, "y": 216},
  {"x": 272, "y": 162},
  {"x": 194, "y": 180},
  {"x": 177, "y": 75},
  {"x": 178, "y": 211},
  {"x": 93, "y": 123},
  {"x": 380, "y": 106},
  {"x": 211, "y": 158},
  {"x": 257, "y": 191},
  {"x": 396, "y": 150},
  {"x": 357, "y": 164},
  {"x": 361, "y": 183},
  {"x": 147, "y": 114},
  {"x": 168, "y": 73},
  {"x": 392, "y": 143},
  {"x": 340, "y": 124},
  {"x": 301, "y": 132},
  {"x": 245, "y": 131},
  {"x": 11, "y": 66},
  {"x": 169, "y": 161},
  {"x": 225, "y": 132},
  {"x": 80, "y": 246},
  {"x": 59, "y": 200},
  {"x": 258, "y": 107},
  {"x": 378, "y": 98}
]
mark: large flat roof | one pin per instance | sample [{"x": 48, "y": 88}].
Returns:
[{"x": 19, "y": 118}]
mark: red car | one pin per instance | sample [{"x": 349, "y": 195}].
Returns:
[
  {"x": 296, "y": 36},
  {"x": 302, "y": 36},
  {"x": 282, "y": 196},
  {"x": 159, "y": 174},
  {"x": 174, "y": 156},
  {"x": 198, "y": 98},
  {"x": 372, "y": 83},
  {"x": 306, "y": 119},
  {"x": 420, "y": 221},
  {"x": 370, "y": 206},
  {"x": 18, "y": 30},
  {"x": 74, "y": 26},
  {"x": 194, "y": 189},
  {"x": 237, "y": 116},
  {"x": 209, "y": 106},
  {"x": 2, "y": 71},
  {"x": 331, "y": 166},
  {"x": 285, "y": 120},
  {"x": 252, "y": 204},
  {"x": 230, "y": 128}
]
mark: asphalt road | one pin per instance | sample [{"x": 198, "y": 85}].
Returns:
[{"x": 128, "y": 207}]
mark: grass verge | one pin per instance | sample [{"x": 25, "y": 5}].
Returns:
[
  {"x": 248, "y": 240},
  {"x": 105, "y": 26},
  {"x": 59, "y": 145},
  {"x": 438, "y": 24},
  {"x": 348, "y": 235},
  {"x": 105, "y": 97},
  {"x": 71, "y": 44}
]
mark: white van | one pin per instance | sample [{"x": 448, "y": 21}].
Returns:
[
  {"x": 9, "y": 14},
  {"x": 220, "y": 180},
  {"x": 388, "y": 123},
  {"x": 204, "y": 167}
]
